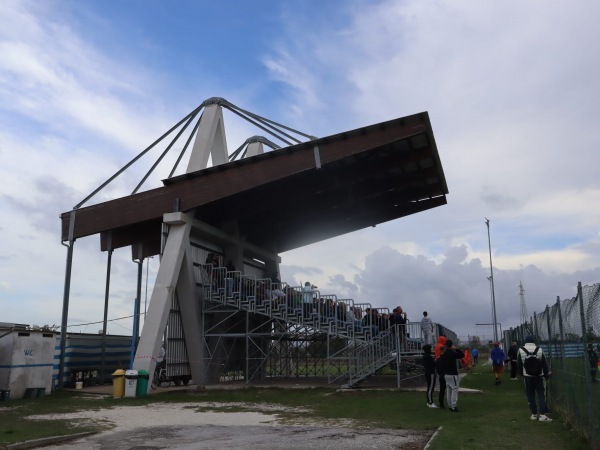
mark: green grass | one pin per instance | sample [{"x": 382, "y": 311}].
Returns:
[{"x": 498, "y": 417}]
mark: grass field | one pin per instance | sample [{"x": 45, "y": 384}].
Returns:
[{"x": 497, "y": 417}]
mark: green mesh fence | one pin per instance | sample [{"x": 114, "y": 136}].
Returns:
[{"x": 569, "y": 334}]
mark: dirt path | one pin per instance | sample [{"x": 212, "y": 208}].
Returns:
[{"x": 210, "y": 426}]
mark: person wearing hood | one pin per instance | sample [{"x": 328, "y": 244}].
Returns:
[
  {"x": 430, "y": 375},
  {"x": 534, "y": 382},
  {"x": 427, "y": 329},
  {"x": 440, "y": 343}
]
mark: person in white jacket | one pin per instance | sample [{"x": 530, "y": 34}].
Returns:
[
  {"x": 427, "y": 329},
  {"x": 534, "y": 382}
]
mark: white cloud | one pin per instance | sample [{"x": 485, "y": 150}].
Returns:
[{"x": 511, "y": 90}]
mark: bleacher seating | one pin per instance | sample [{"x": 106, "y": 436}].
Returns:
[{"x": 373, "y": 348}]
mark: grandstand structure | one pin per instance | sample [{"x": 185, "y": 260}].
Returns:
[{"x": 219, "y": 231}]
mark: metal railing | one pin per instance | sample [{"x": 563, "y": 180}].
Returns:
[{"x": 369, "y": 346}]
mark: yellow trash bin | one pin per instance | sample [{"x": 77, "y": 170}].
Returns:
[{"x": 118, "y": 383}]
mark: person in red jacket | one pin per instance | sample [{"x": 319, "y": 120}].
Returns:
[
  {"x": 466, "y": 361},
  {"x": 440, "y": 343}
]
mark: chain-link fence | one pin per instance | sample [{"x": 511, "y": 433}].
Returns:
[{"x": 569, "y": 334}]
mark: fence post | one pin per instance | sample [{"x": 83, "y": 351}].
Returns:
[
  {"x": 549, "y": 348},
  {"x": 562, "y": 354},
  {"x": 522, "y": 333},
  {"x": 535, "y": 328},
  {"x": 586, "y": 361},
  {"x": 549, "y": 331}
]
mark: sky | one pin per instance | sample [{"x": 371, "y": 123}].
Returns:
[{"x": 511, "y": 89}]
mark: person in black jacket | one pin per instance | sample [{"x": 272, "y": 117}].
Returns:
[
  {"x": 430, "y": 375},
  {"x": 448, "y": 363}
]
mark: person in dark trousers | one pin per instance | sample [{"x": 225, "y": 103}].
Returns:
[
  {"x": 534, "y": 383},
  {"x": 449, "y": 364},
  {"x": 593, "y": 358},
  {"x": 440, "y": 371},
  {"x": 430, "y": 375},
  {"x": 512, "y": 354},
  {"x": 475, "y": 355}
]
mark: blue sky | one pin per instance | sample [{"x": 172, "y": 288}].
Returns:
[{"x": 511, "y": 89}]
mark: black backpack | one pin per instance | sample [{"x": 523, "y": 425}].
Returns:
[{"x": 532, "y": 364}]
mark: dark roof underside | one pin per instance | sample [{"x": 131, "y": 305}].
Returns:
[{"x": 291, "y": 197}]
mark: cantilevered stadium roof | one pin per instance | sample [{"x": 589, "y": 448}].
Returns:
[{"x": 290, "y": 197}]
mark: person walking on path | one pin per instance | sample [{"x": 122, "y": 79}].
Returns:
[
  {"x": 430, "y": 375},
  {"x": 427, "y": 329},
  {"x": 449, "y": 363},
  {"x": 512, "y": 354},
  {"x": 497, "y": 356},
  {"x": 475, "y": 354},
  {"x": 532, "y": 365}
]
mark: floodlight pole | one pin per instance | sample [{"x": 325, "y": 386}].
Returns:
[{"x": 487, "y": 223}]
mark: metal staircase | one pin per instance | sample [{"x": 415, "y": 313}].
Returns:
[{"x": 369, "y": 351}]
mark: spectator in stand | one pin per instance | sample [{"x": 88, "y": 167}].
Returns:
[
  {"x": 399, "y": 317},
  {"x": 384, "y": 322},
  {"x": 449, "y": 364},
  {"x": 212, "y": 261},
  {"x": 358, "y": 314},
  {"x": 475, "y": 355},
  {"x": 427, "y": 329},
  {"x": 340, "y": 312},
  {"x": 328, "y": 309},
  {"x": 593, "y": 358},
  {"x": 534, "y": 383},
  {"x": 216, "y": 277},
  {"x": 370, "y": 321},
  {"x": 440, "y": 372},
  {"x": 430, "y": 375},
  {"x": 512, "y": 354},
  {"x": 497, "y": 356},
  {"x": 308, "y": 292}
]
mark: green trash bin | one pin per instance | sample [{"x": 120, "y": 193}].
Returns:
[{"x": 142, "y": 383}]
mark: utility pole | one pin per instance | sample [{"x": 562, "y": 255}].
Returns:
[{"x": 487, "y": 223}]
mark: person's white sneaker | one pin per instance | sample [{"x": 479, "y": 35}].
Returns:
[
  {"x": 433, "y": 405},
  {"x": 534, "y": 417},
  {"x": 544, "y": 418}
]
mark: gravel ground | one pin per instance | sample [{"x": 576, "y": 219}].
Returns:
[{"x": 203, "y": 426}]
